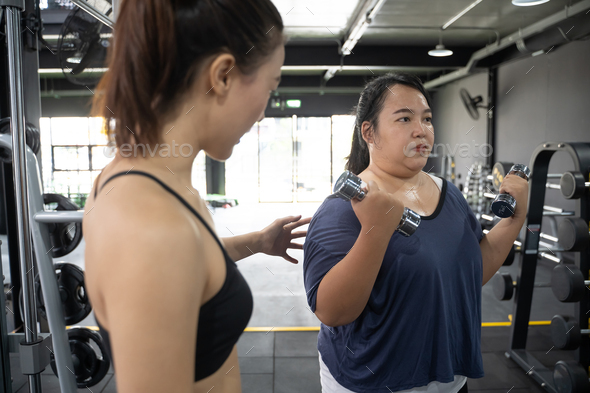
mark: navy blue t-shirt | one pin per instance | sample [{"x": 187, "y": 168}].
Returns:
[{"x": 422, "y": 322}]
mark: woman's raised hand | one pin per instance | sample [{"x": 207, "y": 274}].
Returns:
[{"x": 379, "y": 211}]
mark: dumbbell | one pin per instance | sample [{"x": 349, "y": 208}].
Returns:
[
  {"x": 503, "y": 286},
  {"x": 500, "y": 169},
  {"x": 573, "y": 185},
  {"x": 349, "y": 186},
  {"x": 505, "y": 204},
  {"x": 573, "y": 234},
  {"x": 566, "y": 333},
  {"x": 568, "y": 284},
  {"x": 570, "y": 377}
]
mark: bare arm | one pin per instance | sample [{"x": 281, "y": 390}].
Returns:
[
  {"x": 344, "y": 291},
  {"x": 242, "y": 246},
  {"x": 153, "y": 299},
  {"x": 275, "y": 240},
  {"x": 496, "y": 245}
]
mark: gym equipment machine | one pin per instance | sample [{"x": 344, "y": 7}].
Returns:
[
  {"x": 33, "y": 347},
  {"x": 32, "y": 242},
  {"x": 566, "y": 376}
]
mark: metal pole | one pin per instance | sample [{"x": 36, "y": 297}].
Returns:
[
  {"x": 17, "y": 125},
  {"x": 115, "y": 13}
]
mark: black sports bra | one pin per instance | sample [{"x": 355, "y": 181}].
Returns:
[{"x": 222, "y": 319}]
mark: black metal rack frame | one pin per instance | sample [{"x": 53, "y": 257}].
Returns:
[{"x": 580, "y": 153}]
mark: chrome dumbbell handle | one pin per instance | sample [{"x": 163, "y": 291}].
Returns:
[
  {"x": 520, "y": 170},
  {"x": 349, "y": 186},
  {"x": 409, "y": 222},
  {"x": 505, "y": 204}
]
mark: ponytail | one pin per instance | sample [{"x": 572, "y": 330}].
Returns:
[
  {"x": 359, "y": 159},
  {"x": 131, "y": 91},
  {"x": 368, "y": 109}
]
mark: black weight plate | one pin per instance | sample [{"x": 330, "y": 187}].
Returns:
[
  {"x": 90, "y": 367},
  {"x": 570, "y": 377},
  {"x": 503, "y": 286},
  {"x": 565, "y": 332},
  {"x": 76, "y": 305},
  {"x": 573, "y": 234},
  {"x": 84, "y": 359},
  {"x": 567, "y": 283},
  {"x": 72, "y": 288},
  {"x": 572, "y": 185},
  {"x": 32, "y": 135},
  {"x": 65, "y": 237},
  {"x": 510, "y": 258}
]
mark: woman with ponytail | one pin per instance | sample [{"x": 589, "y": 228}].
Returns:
[
  {"x": 401, "y": 314},
  {"x": 183, "y": 76}
]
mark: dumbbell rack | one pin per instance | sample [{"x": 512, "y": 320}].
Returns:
[{"x": 580, "y": 153}]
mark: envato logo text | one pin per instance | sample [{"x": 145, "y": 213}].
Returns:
[
  {"x": 164, "y": 150},
  {"x": 462, "y": 150}
]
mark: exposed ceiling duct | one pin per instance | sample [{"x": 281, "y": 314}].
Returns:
[{"x": 540, "y": 42}]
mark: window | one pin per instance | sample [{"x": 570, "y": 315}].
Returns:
[
  {"x": 275, "y": 160},
  {"x": 342, "y": 131},
  {"x": 312, "y": 158},
  {"x": 241, "y": 169},
  {"x": 289, "y": 159},
  {"x": 73, "y": 151}
]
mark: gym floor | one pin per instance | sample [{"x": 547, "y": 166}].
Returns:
[{"x": 278, "y": 350}]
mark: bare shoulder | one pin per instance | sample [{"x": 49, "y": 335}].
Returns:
[{"x": 136, "y": 226}]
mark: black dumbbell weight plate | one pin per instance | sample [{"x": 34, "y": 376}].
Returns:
[
  {"x": 567, "y": 283},
  {"x": 572, "y": 185},
  {"x": 65, "y": 237},
  {"x": 565, "y": 332},
  {"x": 503, "y": 286},
  {"x": 90, "y": 367},
  {"x": 573, "y": 234},
  {"x": 72, "y": 289},
  {"x": 570, "y": 377}
]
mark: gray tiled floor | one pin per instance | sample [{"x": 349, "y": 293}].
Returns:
[{"x": 285, "y": 362}]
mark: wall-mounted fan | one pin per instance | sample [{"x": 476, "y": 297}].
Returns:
[
  {"x": 80, "y": 47},
  {"x": 472, "y": 103}
]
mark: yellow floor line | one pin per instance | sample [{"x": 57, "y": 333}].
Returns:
[
  {"x": 268, "y": 329},
  {"x": 283, "y": 329}
]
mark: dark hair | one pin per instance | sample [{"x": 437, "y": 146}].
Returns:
[
  {"x": 368, "y": 109},
  {"x": 158, "y": 46}
]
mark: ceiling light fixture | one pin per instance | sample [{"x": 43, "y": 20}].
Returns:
[
  {"x": 528, "y": 3},
  {"x": 440, "y": 50}
]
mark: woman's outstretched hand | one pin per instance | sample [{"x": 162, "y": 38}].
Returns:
[{"x": 278, "y": 237}]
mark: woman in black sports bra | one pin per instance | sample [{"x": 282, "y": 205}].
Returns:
[{"x": 183, "y": 76}]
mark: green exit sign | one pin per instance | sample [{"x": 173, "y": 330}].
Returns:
[{"x": 293, "y": 103}]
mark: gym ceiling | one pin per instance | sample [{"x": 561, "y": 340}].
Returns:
[{"x": 336, "y": 45}]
